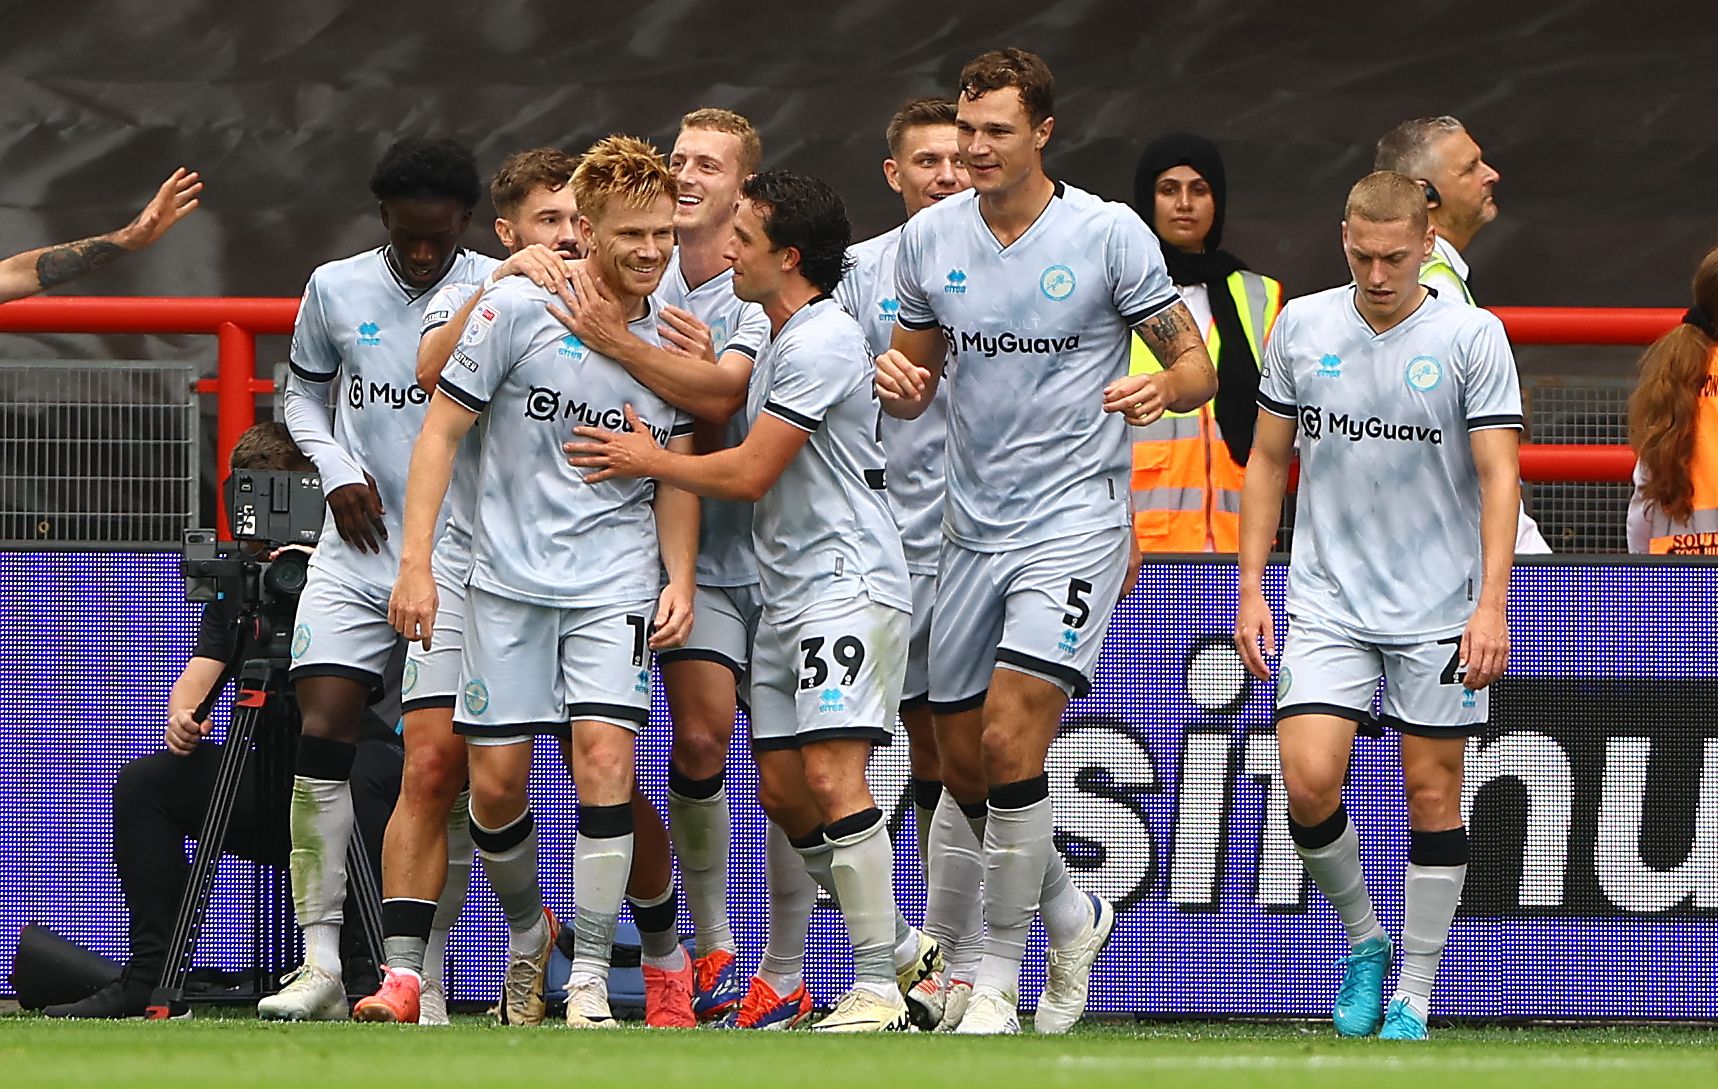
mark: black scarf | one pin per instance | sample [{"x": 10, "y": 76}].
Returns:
[{"x": 1237, "y": 369}]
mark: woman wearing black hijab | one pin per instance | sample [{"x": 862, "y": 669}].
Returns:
[{"x": 1187, "y": 467}]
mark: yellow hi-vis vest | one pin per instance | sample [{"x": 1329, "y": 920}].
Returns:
[
  {"x": 1186, "y": 487},
  {"x": 1698, "y": 535}
]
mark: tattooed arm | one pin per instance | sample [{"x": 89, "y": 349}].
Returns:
[
  {"x": 1187, "y": 380},
  {"x": 27, "y": 273}
]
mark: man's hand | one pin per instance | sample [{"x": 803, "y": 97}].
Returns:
[
  {"x": 176, "y": 199},
  {"x": 899, "y": 378},
  {"x": 591, "y": 314},
  {"x": 358, "y": 514},
  {"x": 1484, "y": 647},
  {"x": 184, "y": 732},
  {"x": 1140, "y": 398},
  {"x": 684, "y": 333},
  {"x": 1253, "y": 624},
  {"x": 537, "y": 263},
  {"x": 673, "y": 621},
  {"x": 412, "y": 605},
  {"x": 631, "y": 453}
]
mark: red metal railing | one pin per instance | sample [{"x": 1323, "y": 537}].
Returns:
[{"x": 236, "y": 323}]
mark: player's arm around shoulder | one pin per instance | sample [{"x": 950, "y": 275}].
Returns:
[{"x": 677, "y": 513}]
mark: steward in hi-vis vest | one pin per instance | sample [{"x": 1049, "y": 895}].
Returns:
[{"x": 1187, "y": 466}]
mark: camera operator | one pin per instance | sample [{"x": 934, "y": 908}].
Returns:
[{"x": 159, "y": 800}]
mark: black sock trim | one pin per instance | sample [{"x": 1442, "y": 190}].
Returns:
[
  {"x": 1448, "y": 848},
  {"x": 495, "y": 841},
  {"x": 927, "y": 792},
  {"x": 605, "y": 821},
  {"x": 854, "y": 824},
  {"x": 324, "y": 758},
  {"x": 657, "y": 918},
  {"x": 1025, "y": 793},
  {"x": 693, "y": 790},
  {"x": 974, "y": 810},
  {"x": 407, "y": 918},
  {"x": 1312, "y": 837},
  {"x": 811, "y": 841}
]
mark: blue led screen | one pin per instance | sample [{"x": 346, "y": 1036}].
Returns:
[{"x": 1593, "y": 800}]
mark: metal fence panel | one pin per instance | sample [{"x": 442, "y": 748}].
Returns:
[{"x": 97, "y": 454}]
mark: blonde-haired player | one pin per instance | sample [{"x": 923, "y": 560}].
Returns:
[{"x": 565, "y": 588}]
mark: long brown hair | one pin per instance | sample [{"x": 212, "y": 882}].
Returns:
[{"x": 1662, "y": 409}]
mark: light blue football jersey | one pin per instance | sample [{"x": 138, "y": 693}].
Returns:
[
  {"x": 914, "y": 447},
  {"x": 1036, "y": 330},
  {"x": 357, "y": 337},
  {"x": 1386, "y": 526},
  {"x": 825, "y": 531},
  {"x": 724, "y": 525},
  {"x": 542, "y": 534}
]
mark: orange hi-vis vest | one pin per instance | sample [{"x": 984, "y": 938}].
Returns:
[
  {"x": 1186, "y": 487},
  {"x": 1698, "y": 536}
]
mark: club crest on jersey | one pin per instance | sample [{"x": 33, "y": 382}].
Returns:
[
  {"x": 572, "y": 347},
  {"x": 888, "y": 311},
  {"x": 369, "y": 334},
  {"x": 476, "y": 697},
  {"x": 1056, "y": 282},
  {"x": 477, "y": 329},
  {"x": 956, "y": 284},
  {"x": 1424, "y": 373},
  {"x": 719, "y": 334},
  {"x": 300, "y": 640},
  {"x": 1330, "y": 366},
  {"x": 409, "y": 679},
  {"x": 1285, "y": 680}
]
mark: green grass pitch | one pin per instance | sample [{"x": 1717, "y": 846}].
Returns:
[{"x": 235, "y": 1051}]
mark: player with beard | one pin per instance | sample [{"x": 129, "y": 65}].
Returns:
[
  {"x": 715, "y": 150},
  {"x": 355, "y": 340},
  {"x": 563, "y": 598}
]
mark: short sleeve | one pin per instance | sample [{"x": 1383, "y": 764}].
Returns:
[
  {"x": 810, "y": 376},
  {"x": 313, "y": 356},
  {"x": 483, "y": 358},
  {"x": 753, "y": 332},
  {"x": 1133, "y": 261},
  {"x": 444, "y": 304},
  {"x": 915, "y": 312},
  {"x": 1491, "y": 390},
  {"x": 217, "y": 632},
  {"x": 1276, "y": 375}
]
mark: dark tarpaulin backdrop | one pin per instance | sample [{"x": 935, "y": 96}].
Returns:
[{"x": 1600, "y": 118}]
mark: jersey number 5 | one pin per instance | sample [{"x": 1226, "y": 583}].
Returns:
[{"x": 1079, "y": 612}]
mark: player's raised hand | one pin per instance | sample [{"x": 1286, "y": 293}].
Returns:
[
  {"x": 176, "y": 199},
  {"x": 631, "y": 453},
  {"x": 1138, "y": 397},
  {"x": 537, "y": 263},
  {"x": 358, "y": 514},
  {"x": 1485, "y": 647},
  {"x": 1253, "y": 625},
  {"x": 686, "y": 334},
  {"x": 591, "y": 313},
  {"x": 412, "y": 606},
  {"x": 899, "y": 378},
  {"x": 673, "y": 621}
]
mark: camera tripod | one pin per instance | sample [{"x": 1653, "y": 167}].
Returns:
[{"x": 262, "y": 721}]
